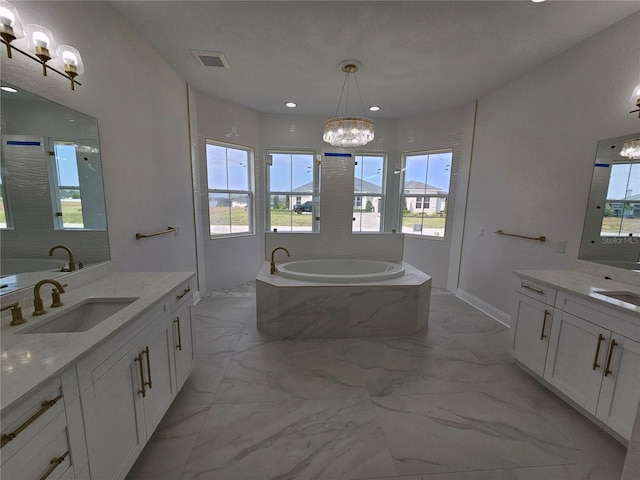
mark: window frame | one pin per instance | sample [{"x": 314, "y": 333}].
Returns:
[
  {"x": 249, "y": 193},
  {"x": 424, "y": 199},
  {"x": 315, "y": 194},
  {"x": 6, "y": 202},
  {"x": 359, "y": 157}
]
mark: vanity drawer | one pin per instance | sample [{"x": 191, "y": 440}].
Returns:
[
  {"x": 181, "y": 295},
  {"x": 47, "y": 455},
  {"x": 539, "y": 291},
  {"x": 29, "y": 418}
]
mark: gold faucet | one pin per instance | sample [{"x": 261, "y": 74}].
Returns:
[
  {"x": 72, "y": 264},
  {"x": 37, "y": 300},
  {"x": 16, "y": 313},
  {"x": 273, "y": 262}
]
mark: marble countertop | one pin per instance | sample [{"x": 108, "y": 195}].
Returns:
[
  {"x": 29, "y": 360},
  {"x": 586, "y": 286}
]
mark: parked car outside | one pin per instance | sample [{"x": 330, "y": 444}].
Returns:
[{"x": 303, "y": 207}]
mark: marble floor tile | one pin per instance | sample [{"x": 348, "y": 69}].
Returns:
[
  {"x": 303, "y": 439},
  {"x": 167, "y": 452},
  {"x": 204, "y": 381},
  {"x": 216, "y": 341},
  {"x": 470, "y": 431}
]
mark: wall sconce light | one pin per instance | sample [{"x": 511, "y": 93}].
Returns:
[
  {"x": 637, "y": 105},
  {"x": 40, "y": 43}
]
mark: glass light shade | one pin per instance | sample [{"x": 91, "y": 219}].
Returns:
[
  {"x": 10, "y": 23},
  {"x": 40, "y": 41},
  {"x": 70, "y": 60},
  {"x": 631, "y": 148},
  {"x": 348, "y": 131}
]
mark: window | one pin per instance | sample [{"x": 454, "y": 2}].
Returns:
[
  {"x": 425, "y": 191},
  {"x": 368, "y": 193},
  {"x": 292, "y": 175},
  {"x": 5, "y": 218},
  {"x": 77, "y": 192},
  {"x": 229, "y": 186},
  {"x": 622, "y": 209}
]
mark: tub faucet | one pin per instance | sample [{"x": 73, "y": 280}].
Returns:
[
  {"x": 72, "y": 264},
  {"x": 273, "y": 262},
  {"x": 38, "y": 307}
]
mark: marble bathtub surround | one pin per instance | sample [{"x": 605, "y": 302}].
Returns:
[
  {"x": 444, "y": 404},
  {"x": 288, "y": 308}
]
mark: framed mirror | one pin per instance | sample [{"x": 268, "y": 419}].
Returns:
[
  {"x": 611, "y": 233},
  {"x": 52, "y": 208}
]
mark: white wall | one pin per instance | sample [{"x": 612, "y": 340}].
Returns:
[
  {"x": 533, "y": 155},
  {"x": 141, "y": 107}
]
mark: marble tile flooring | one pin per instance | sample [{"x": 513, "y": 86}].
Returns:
[{"x": 445, "y": 404}]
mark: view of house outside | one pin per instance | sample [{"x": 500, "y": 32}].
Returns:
[
  {"x": 622, "y": 208},
  {"x": 368, "y": 193}
]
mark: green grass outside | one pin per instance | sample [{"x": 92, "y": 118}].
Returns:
[
  {"x": 71, "y": 212},
  {"x": 612, "y": 225},
  {"x": 409, "y": 220}
]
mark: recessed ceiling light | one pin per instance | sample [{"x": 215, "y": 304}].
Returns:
[
  {"x": 538, "y": 1},
  {"x": 291, "y": 104},
  {"x": 8, "y": 89},
  {"x": 374, "y": 108}
]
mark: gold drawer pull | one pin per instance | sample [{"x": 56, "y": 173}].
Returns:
[
  {"x": 44, "y": 406},
  {"x": 186, "y": 290},
  {"x": 55, "y": 461},
  {"x": 608, "y": 370},
  {"x": 544, "y": 324},
  {"x": 142, "y": 382},
  {"x": 177, "y": 322},
  {"x": 146, "y": 352},
  {"x": 535, "y": 290},
  {"x": 601, "y": 337}
]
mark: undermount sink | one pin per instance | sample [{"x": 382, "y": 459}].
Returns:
[
  {"x": 627, "y": 297},
  {"x": 81, "y": 317}
]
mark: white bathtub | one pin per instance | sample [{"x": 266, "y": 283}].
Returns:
[{"x": 340, "y": 270}]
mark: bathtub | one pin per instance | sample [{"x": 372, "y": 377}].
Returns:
[
  {"x": 327, "y": 299},
  {"x": 340, "y": 270}
]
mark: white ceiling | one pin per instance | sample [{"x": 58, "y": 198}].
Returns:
[{"x": 416, "y": 56}]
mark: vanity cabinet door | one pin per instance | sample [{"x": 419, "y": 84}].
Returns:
[
  {"x": 577, "y": 357},
  {"x": 620, "y": 392},
  {"x": 114, "y": 420},
  {"x": 183, "y": 342},
  {"x": 156, "y": 352},
  {"x": 530, "y": 334}
]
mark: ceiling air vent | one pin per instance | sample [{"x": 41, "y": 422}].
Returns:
[{"x": 210, "y": 59}]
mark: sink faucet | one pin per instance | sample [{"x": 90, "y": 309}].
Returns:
[
  {"x": 72, "y": 264},
  {"x": 37, "y": 300},
  {"x": 273, "y": 262},
  {"x": 16, "y": 313}
]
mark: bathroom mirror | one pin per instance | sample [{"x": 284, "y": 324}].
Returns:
[
  {"x": 51, "y": 190},
  {"x": 611, "y": 233}
]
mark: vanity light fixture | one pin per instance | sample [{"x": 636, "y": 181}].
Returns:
[
  {"x": 348, "y": 131},
  {"x": 637, "y": 105},
  {"x": 40, "y": 43}
]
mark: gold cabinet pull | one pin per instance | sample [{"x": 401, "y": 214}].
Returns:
[
  {"x": 544, "y": 324},
  {"x": 601, "y": 337},
  {"x": 608, "y": 370},
  {"x": 146, "y": 352},
  {"x": 535, "y": 290},
  {"x": 142, "y": 382},
  {"x": 186, "y": 290},
  {"x": 177, "y": 322},
  {"x": 44, "y": 406},
  {"x": 55, "y": 461}
]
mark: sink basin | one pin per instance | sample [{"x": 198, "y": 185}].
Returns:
[
  {"x": 627, "y": 297},
  {"x": 81, "y": 317}
]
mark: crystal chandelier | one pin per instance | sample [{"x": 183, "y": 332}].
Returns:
[
  {"x": 348, "y": 131},
  {"x": 631, "y": 148}
]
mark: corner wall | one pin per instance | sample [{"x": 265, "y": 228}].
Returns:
[{"x": 533, "y": 155}]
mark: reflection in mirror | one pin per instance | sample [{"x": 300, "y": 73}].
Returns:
[
  {"x": 611, "y": 233},
  {"x": 51, "y": 191}
]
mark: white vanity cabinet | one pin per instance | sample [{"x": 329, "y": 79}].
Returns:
[
  {"x": 529, "y": 336},
  {"x": 42, "y": 437},
  {"x": 586, "y": 350},
  {"x": 181, "y": 302},
  {"x": 131, "y": 385}
]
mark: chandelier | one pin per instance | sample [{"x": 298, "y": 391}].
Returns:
[
  {"x": 631, "y": 148},
  {"x": 348, "y": 131}
]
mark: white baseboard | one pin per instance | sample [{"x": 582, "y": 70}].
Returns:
[{"x": 484, "y": 307}]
